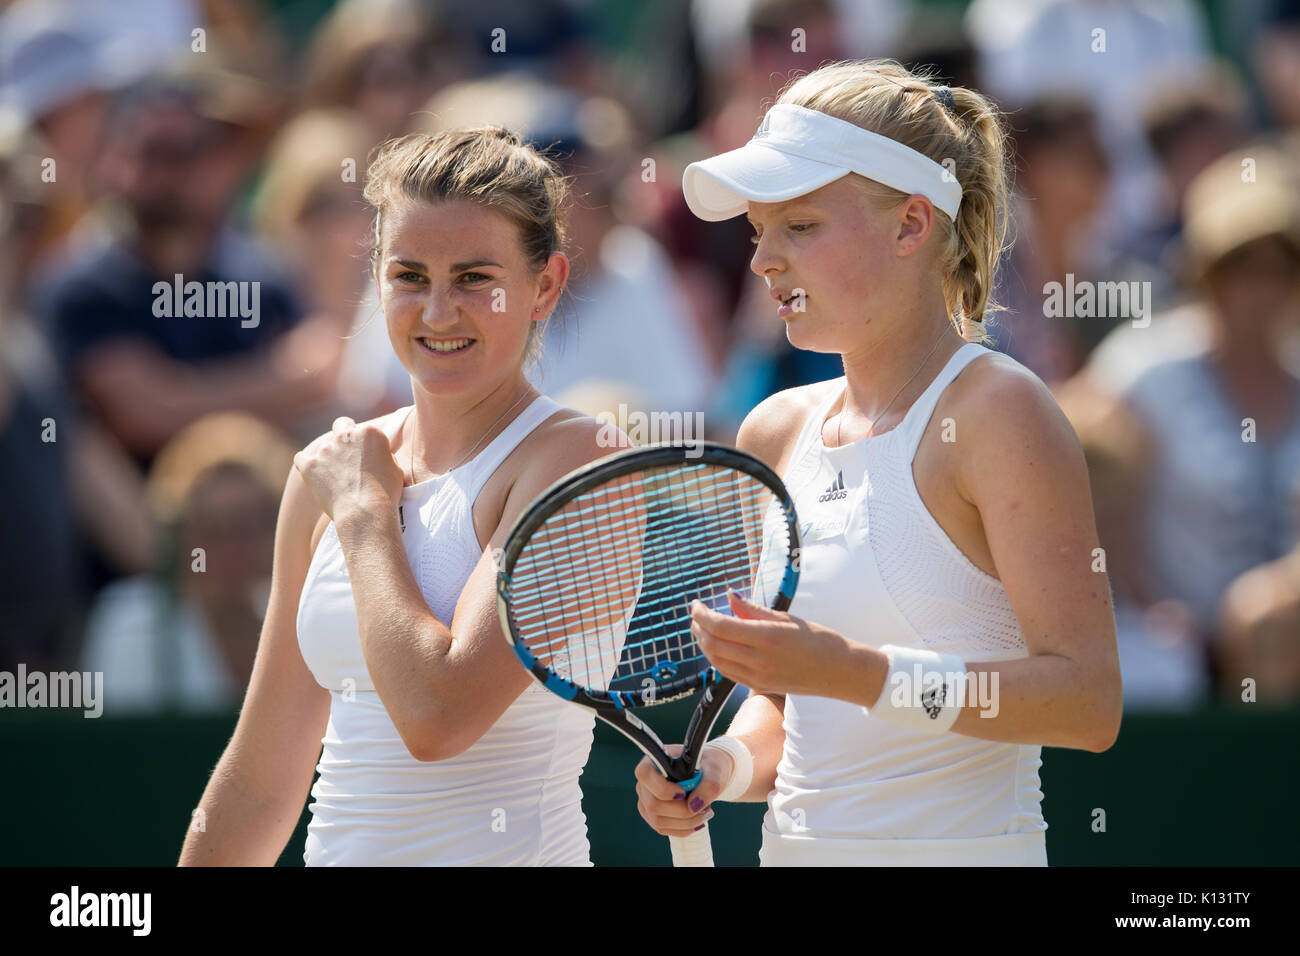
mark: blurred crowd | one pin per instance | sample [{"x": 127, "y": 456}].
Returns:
[{"x": 1154, "y": 282}]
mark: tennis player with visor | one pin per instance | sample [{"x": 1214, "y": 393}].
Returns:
[{"x": 953, "y": 614}]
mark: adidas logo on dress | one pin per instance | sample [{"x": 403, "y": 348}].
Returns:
[{"x": 836, "y": 491}]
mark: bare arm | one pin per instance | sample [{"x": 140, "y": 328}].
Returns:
[
  {"x": 256, "y": 794},
  {"x": 1024, "y": 471},
  {"x": 444, "y": 687}
]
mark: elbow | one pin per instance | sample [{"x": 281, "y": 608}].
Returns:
[
  {"x": 445, "y": 728},
  {"x": 433, "y": 740},
  {"x": 432, "y": 750},
  {"x": 1099, "y": 743},
  {"x": 429, "y": 747},
  {"x": 1103, "y": 728},
  {"x": 425, "y": 753}
]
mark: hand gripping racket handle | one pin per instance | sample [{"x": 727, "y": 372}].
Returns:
[{"x": 696, "y": 849}]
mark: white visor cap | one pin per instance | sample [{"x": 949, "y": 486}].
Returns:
[{"x": 797, "y": 150}]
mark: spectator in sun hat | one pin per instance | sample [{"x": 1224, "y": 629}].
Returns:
[
  {"x": 1245, "y": 196},
  {"x": 1219, "y": 408},
  {"x": 55, "y": 79},
  {"x": 49, "y": 59}
]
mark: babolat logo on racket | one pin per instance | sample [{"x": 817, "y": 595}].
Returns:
[{"x": 836, "y": 491}]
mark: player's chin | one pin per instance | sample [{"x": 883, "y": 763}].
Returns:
[
  {"x": 807, "y": 337},
  {"x": 440, "y": 377}
]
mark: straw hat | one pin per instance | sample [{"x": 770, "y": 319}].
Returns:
[{"x": 1245, "y": 195}]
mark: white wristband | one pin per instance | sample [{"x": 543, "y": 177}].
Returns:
[
  {"x": 742, "y": 761},
  {"x": 923, "y": 690}
]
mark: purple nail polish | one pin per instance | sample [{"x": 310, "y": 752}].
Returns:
[
  {"x": 679, "y": 796},
  {"x": 697, "y": 805},
  {"x": 701, "y": 827}
]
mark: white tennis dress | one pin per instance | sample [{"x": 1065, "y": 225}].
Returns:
[
  {"x": 512, "y": 797},
  {"x": 876, "y": 567}
]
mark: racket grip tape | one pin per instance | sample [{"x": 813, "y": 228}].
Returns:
[
  {"x": 693, "y": 850},
  {"x": 696, "y": 849}
]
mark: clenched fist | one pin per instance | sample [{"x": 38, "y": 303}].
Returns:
[{"x": 351, "y": 467}]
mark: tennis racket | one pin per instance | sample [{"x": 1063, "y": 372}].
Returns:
[{"x": 597, "y": 577}]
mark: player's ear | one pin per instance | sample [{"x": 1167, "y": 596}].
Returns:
[
  {"x": 915, "y": 217},
  {"x": 551, "y": 281}
]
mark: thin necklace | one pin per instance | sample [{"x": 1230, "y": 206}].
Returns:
[
  {"x": 474, "y": 447},
  {"x": 839, "y": 425}
]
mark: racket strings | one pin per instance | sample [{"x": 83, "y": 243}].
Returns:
[
  {"x": 703, "y": 546},
  {"x": 601, "y": 593},
  {"x": 618, "y": 524},
  {"x": 662, "y": 620}
]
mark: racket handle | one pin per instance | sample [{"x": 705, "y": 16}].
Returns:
[{"x": 694, "y": 850}]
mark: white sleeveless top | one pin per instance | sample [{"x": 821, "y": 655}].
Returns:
[
  {"x": 876, "y": 567},
  {"x": 512, "y": 797}
]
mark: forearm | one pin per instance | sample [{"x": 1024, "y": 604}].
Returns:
[
  {"x": 234, "y": 827},
  {"x": 406, "y": 648},
  {"x": 1044, "y": 699},
  {"x": 758, "y": 725}
]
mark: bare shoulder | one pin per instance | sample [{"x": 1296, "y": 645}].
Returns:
[
  {"x": 570, "y": 438},
  {"x": 998, "y": 394},
  {"x": 769, "y": 431},
  {"x": 1007, "y": 422},
  {"x": 564, "y": 442}
]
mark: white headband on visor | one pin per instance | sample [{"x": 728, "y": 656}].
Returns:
[{"x": 797, "y": 150}]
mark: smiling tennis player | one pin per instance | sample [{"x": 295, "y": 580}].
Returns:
[
  {"x": 382, "y": 640},
  {"x": 950, "y": 620}
]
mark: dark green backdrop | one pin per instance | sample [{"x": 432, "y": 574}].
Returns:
[{"x": 1212, "y": 788}]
